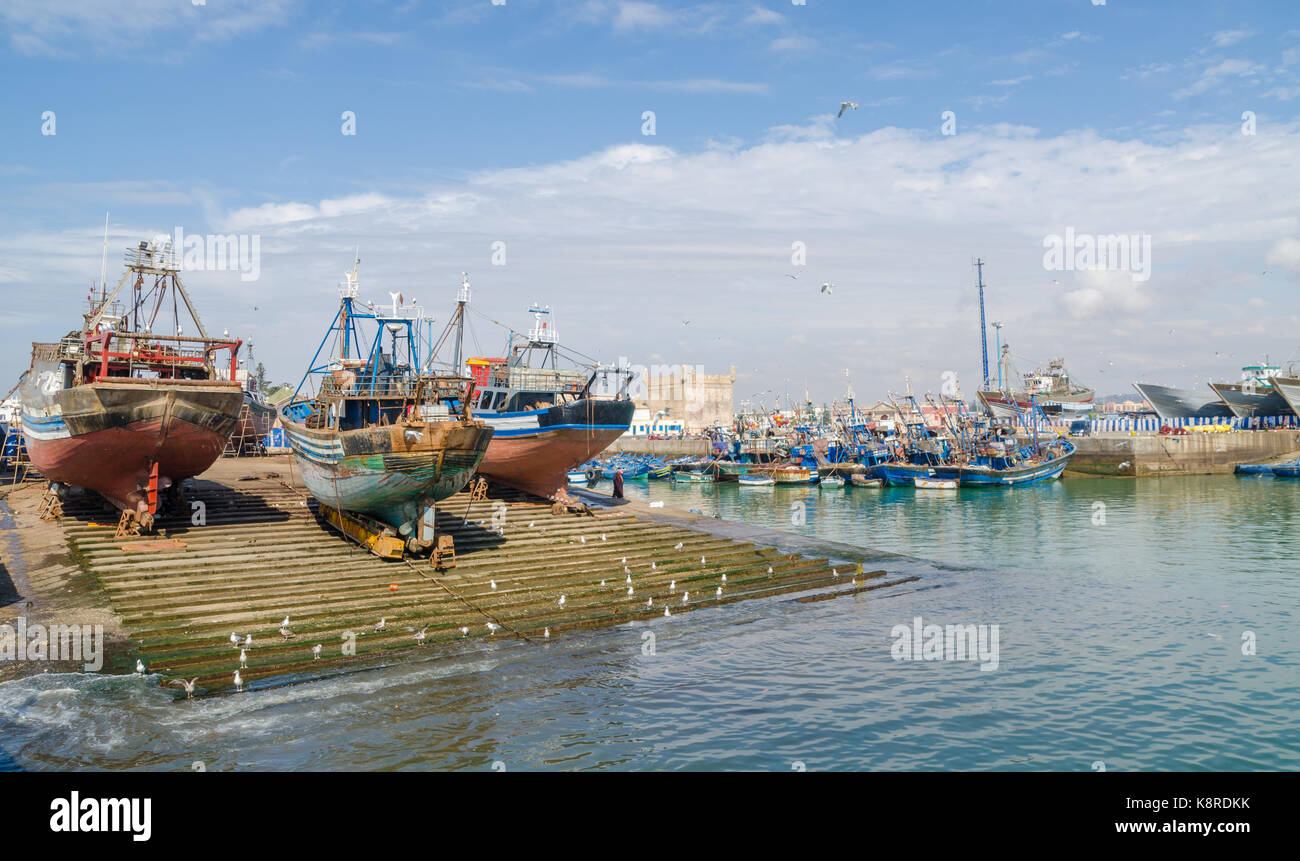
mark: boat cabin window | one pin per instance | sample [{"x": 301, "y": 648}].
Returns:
[
  {"x": 501, "y": 399},
  {"x": 485, "y": 400}
]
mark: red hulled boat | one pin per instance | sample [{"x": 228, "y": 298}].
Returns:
[{"x": 117, "y": 409}]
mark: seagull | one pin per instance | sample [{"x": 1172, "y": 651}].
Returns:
[
  {"x": 286, "y": 633},
  {"x": 827, "y": 287},
  {"x": 718, "y": 594},
  {"x": 602, "y": 584},
  {"x": 139, "y": 667},
  {"x": 769, "y": 570},
  {"x": 672, "y": 586},
  {"x": 315, "y": 652},
  {"x": 624, "y": 560},
  {"x": 627, "y": 571},
  {"x": 493, "y": 584},
  {"x": 844, "y": 106},
  {"x": 530, "y": 524},
  {"x": 546, "y": 633},
  {"x": 677, "y": 546},
  {"x": 653, "y": 567},
  {"x": 285, "y": 623},
  {"x": 724, "y": 578},
  {"x": 629, "y": 590},
  {"x": 239, "y": 682},
  {"x": 666, "y": 613},
  {"x": 189, "y": 686},
  {"x": 834, "y": 573},
  {"x": 419, "y": 635},
  {"x": 795, "y": 276},
  {"x": 492, "y": 627},
  {"x": 602, "y": 536},
  {"x": 243, "y": 659},
  {"x": 248, "y": 642},
  {"x": 563, "y": 598},
  {"x": 382, "y": 625},
  {"x": 701, "y": 561},
  {"x": 629, "y": 579},
  {"x": 234, "y": 640},
  {"x": 649, "y": 602},
  {"x": 464, "y": 631},
  {"x": 582, "y": 538},
  {"x": 685, "y": 597},
  {"x": 686, "y": 322}
]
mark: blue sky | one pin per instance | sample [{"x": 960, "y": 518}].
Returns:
[{"x": 522, "y": 123}]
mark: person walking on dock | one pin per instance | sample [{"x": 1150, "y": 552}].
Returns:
[{"x": 618, "y": 484}]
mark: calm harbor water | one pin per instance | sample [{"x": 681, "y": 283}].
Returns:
[{"x": 1120, "y": 632}]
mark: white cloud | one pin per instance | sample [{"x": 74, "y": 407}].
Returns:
[
  {"x": 793, "y": 44},
  {"x": 1225, "y": 38},
  {"x": 1285, "y": 254},
  {"x": 1217, "y": 74},
  {"x": 62, "y": 27}
]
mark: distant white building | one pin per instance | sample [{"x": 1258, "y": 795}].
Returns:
[{"x": 645, "y": 423}]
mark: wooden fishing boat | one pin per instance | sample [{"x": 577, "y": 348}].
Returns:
[
  {"x": 130, "y": 414},
  {"x": 831, "y": 481},
  {"x": 792, "y": 475},
  {"x": 755, "y": 480},
  {"x": 861, "y": 480},
  {"x": 1287, "y": 470},
  {"x": 692, "y": 477},
  {"x": 935, "y": 483},
  {"x": 378, "y": 438}
]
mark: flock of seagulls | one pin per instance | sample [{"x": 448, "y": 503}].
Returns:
[{"x": 245, "y": 643}]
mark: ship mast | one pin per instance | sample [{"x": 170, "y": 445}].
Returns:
[
  {"x": 462, "y": 299},
  {"x": 984, "y": 335}
]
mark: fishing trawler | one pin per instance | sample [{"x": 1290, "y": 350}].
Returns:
[
  {"x": 126, "y": 411},
  {"x": 1050, "y": 387},
  {"x": 1255, "y": 394},
  {"x": 546, "y": 419},
  {"x": 378, "y": 442}
]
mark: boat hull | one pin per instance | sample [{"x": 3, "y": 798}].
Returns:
[
  {"x": 1172, "y": 403},
  {"x": 108, "y": 436},
  {"x": 1263, "y": 401},
  {"x": 1003, "y": 406},
  {"x": 389, "y": 472},
  {"x": 1289, "y": 389},
  {"x": 534, "y": 450}
]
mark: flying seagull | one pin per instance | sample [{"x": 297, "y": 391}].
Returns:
[
  {"x": 827, "y": 287},
  {"x": 844, "y": 106}
]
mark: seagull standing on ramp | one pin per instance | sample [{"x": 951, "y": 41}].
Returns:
[
  {"x": 315, "y": 652},
  {"x": 243, "y": 659},
  {"x": 139, "y": 667},
  {"x": 239, "y": 682}
]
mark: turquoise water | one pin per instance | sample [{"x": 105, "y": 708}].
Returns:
[{"x": 1119, "y": 642}]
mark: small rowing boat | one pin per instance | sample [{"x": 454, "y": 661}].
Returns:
[
  {"x": 755, "y": 480},
  {"x": 935, "y": 483},
  {"x": 833, "y": 482},
  {"x": 862, "y": 481}
]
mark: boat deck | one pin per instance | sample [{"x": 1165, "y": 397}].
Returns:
[{"x": 263, "y": 554}]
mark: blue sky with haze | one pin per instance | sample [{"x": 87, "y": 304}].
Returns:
[{"x": 522, "y": 123}]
